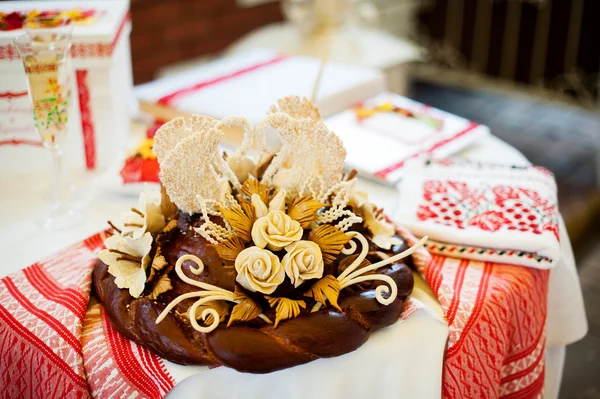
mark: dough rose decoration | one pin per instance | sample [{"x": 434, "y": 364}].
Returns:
[
  {"x": 258, "y": 270},
  {"x": 303, "y": 261},
  {"x": 256, "y": 237}
]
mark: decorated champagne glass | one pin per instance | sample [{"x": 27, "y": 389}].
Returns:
[{"x": 45, "y": 56}]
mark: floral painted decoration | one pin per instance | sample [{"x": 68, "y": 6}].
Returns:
[
  {"x": 363, "y": 112},
  {"x": 280, "y": 221},
  {"x": 50, "y": 99},
  {"x": 17, "y": 19}
]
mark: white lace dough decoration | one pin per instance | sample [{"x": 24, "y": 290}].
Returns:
[
  {"x": 174, "y": 131},
  {"x": 185, "y": 172},
  {"x": 311, "y": 155},
  {"x": 297, "y": 107},
  {"x": 309, "y": 149}
]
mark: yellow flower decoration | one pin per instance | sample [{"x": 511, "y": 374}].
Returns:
[
  {"x": 145, "y": 149},
  {"x": 53, "y": 86}
]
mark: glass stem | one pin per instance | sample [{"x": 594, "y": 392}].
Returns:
[{"x": 57, "y": 161}]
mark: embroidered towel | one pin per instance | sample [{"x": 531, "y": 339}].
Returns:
[
  {"x": 57, "y": 342},
  {"x": 489, "y": 212}
]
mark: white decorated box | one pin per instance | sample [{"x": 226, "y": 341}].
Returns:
[
  {"x": 101, "y": 97},
  {"x": 385, "y": 132},
  {"x": 246, "y": 84}
]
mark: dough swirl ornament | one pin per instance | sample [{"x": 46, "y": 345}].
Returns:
[
  {"x": 209, "y": 293},
  {"x": 258, "y": 260}
]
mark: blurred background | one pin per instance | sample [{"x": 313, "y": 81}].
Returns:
[{"x": 527, "y": 69}]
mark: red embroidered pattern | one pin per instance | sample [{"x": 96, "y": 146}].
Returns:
[
  {"x": 115, "y": 366},
  {"x": 78, "y": 50},
  {"x": 40, "y": 325},
  {"x": 10, "y": 94},
  {"x": 489, "y": 208},
  {"x": 496, "y": 315}
]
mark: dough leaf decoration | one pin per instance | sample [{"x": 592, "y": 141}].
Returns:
[
  {"x": 327, "y": 288},
  {"x": 330, "y": 239},
  {"x": 163, "y": 284},
  {"x": 285, "y": 308},
  {"x": 159, "y": 261},
  {"x": 167, "y": 207},
  {"x": 245, "y": 309},
  {"x": 229, "y": 249},
  {"x": 241, "y": 219},
  {"x": 304, "y": 210},
  {"x": 253, "y": 186}
]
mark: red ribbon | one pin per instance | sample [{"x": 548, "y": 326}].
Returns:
[
  {"x": 384, "y": 172},
  {"x": 10, "y": 94},
  {"x": 17, "y": 141},
  {"x": 87, "y": 122},
  {"x": 169, "y": 98}
]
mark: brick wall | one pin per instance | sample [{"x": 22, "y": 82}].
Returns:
[{"x": 167, "y": 31}]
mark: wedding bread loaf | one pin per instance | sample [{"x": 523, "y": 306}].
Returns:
[{"x": 258, "y": 260}]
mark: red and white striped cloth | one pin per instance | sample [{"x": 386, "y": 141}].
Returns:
[{"x": 55, "y": 344}]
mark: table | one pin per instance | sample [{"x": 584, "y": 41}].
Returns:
[{"x": 25, "y": 183}]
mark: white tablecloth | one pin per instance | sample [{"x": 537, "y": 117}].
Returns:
[{"x": 413, "y": 366}]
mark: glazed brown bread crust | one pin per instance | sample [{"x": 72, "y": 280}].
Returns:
[{"x": 253, "y": 347}]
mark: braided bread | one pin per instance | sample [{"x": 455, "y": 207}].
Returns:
[{"x": 253, "y": 346}]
